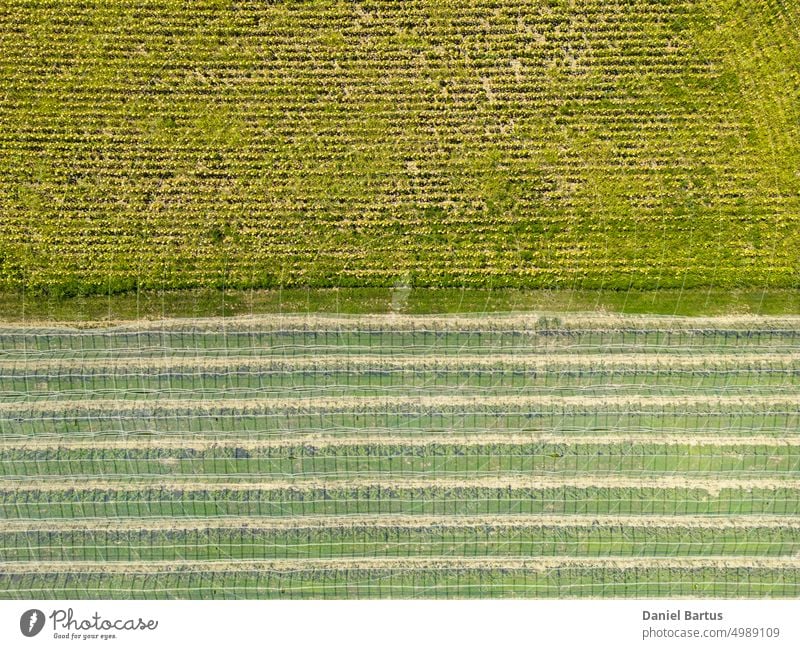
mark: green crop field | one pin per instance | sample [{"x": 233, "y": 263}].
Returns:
[
  {"x": 544, "y": 143},
  {"x": 402, "y": 456},
  {"x": 399, "y": 299}
]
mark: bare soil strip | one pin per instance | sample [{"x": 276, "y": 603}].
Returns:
[
  {"x": 317, "y": 440},
  {"x": 526, "y": 321},
  {"x": 390, "y": 521},
  {"x": 360, "y": 362},
  {"x": 397, "y": 563},
  {"x": 358, "y": 403},
  {"x": 710, "y": 486}
]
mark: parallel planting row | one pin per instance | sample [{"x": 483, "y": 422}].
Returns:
[{"x": 501, "y": 456}]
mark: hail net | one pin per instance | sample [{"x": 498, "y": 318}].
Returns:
[{"x": 401, "y": 456}]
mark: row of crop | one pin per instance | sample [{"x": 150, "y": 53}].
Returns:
[
  {"x": 567, "y": 582},
  {"x": 80, "y": 501},
  {"x": 392, "y": 460},
  {"x": 255, "y": 542},
  {"x": 376, "y": 384},
  {"x": 79, "y": 280},
  {"x": 45, "y": 386},
  {"x": 374, "y": 13},
  {"x": 75, "y": 423},
  {"x": 390, "y": 343}
]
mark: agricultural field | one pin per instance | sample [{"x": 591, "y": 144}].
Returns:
[
  {"x": 513, "y": 143},
  {"x": 225, "y": 229},
  {"x": 546, "y": 456}
]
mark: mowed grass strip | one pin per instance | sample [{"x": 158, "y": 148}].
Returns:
[
  {"x": 394, "y": 403},
  {"x": 102, "y": 311},
  {"x": 539, "y": 563},
  {"x": 315, "y": 362},
  {"x": 381, "y": 521},
  {"x": 589, "y": 319}
]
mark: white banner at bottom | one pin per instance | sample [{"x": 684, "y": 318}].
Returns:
[{"x": 768, "y": 624}]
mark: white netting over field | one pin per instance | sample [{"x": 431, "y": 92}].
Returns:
[{"x": 396, "y": 456}]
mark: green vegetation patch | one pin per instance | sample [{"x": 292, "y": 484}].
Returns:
[
  {"x": 566, "y": 582},
  {"x": 545, "y": 144}
]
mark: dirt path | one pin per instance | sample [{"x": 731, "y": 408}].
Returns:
[
  {"x": 390, "y": 521},
  {"x": 712, "y": 487},
  {"x": 383, "y": 439},
  {"x": 360, "y": 362},
  {"x": 359, "y": 404},
  {"x": 399, "y": 564},
  {"x": 530, "y": 321}
]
